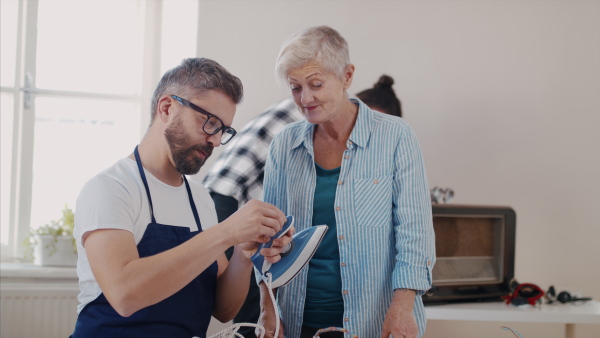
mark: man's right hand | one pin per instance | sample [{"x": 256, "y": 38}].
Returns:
[{"x": 254, "y": 223}]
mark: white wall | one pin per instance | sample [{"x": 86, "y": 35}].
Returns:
[{"x": 503, "y": 95}]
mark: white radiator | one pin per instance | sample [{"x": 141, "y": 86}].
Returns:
[
  {"x": 38, "y": 310},
  {"x": 41, "y": 302}
]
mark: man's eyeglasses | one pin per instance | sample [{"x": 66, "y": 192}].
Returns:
[{"x": 213, "y": 124}]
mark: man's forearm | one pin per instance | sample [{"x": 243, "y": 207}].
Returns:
[
  {"x": 131, "y": 283},
  {"x": 232, "y": 286}
]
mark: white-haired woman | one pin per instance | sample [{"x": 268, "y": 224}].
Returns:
[{"x": 360, "y": 172}]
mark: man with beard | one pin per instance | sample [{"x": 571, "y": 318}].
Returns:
[{"x": 151, "y": 253}]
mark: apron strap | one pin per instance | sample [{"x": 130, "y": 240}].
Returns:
[
  {"x": 192, "y": 204},
  {"x": 141, "y": 169},
  {"x": 187, "y": 187}
]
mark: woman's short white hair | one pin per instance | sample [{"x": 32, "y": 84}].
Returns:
[{"x": 320, "y": 44}]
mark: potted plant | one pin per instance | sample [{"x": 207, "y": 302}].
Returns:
[{"x": 53, "y": 244}]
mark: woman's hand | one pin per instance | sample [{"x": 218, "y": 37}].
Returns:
[
  {"x": 267, "y": 320},
  {"x": 400, "y": 320},
  {"x": 268, "y": 315}
]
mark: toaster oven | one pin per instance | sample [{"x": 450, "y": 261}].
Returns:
[{"x": 475, "y": 253}]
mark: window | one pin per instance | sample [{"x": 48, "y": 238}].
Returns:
[{"x": 77, "y": 77}]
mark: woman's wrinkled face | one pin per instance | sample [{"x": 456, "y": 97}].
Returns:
[{"x": 318, "y": 94}]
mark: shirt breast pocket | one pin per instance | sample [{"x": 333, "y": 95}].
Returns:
[{"x": 373, "y": 201}]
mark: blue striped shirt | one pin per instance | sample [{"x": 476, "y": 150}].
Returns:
[{"x": 383, "y": 214}]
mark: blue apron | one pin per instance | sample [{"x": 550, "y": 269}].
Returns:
[{"x": 187, "y": 313}]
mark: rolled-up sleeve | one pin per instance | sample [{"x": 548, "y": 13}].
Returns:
[{"x": 413, "y": 225}]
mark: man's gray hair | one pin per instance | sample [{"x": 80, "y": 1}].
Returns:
[
  {"x": 196, "y": 75},
  {"x": 320, "y": 44}
]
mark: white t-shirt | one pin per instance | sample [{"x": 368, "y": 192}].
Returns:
[{"x": 116, "y": 199}]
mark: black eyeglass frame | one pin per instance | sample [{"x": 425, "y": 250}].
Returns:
[{"x": 225, "y": 129}]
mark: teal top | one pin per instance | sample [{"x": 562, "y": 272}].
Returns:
[{"x": 324, "y": 305}]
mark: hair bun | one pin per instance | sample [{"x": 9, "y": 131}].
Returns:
[
  {"x": 382, "y": 97},
  {"x": 385, "y": 81}
]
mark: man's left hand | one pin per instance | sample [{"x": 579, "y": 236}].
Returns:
[{"x": 272, "y": 254}]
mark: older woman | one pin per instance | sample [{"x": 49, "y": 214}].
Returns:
[{"x": 360, "y": 172}]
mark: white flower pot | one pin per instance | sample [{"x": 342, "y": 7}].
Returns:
[{"x": 51, "y": 251}]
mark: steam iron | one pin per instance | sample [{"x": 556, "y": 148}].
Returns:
[{"x": 295, "y": 255}]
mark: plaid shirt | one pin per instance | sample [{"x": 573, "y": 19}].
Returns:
[{"x": 239, "y": 170}]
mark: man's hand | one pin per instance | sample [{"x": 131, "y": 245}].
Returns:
[
  {"x": 254, "y": 223},
  {"x": 272, "y": 254},
  {"x": 400, "y": 320}
]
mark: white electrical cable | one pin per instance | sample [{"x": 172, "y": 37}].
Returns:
[{"x": 232, "y": 331}]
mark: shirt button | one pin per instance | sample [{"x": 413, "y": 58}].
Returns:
[
  {"x": 338, "y": 208},
  {"x": 343, "y": 264},
  {"x": 428, "y": 262},
  {"x": 341, "y": 237},
  {"x": 340, "y": 182},
  {"x": 346, "y": 319},
  {"x": 345, "y": 292},
  {"x": 347, "y": 156},
  {"x": 376, "y": 181},
  {"x": 349, "y": 143}
]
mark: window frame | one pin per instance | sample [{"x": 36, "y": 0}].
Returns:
[{"x": 23, "y": 92}]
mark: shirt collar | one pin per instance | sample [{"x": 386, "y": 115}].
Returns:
[
  {"x": 307, "y": 136},
  {"x": 364, "y": 123}
]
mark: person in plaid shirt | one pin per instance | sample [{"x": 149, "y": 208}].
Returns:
[
  {"x": 237, "y": 176},
  {"x": 238, "y": 172}
]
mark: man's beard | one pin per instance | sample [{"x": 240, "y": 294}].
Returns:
[{"x": 185, "y": 157}]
